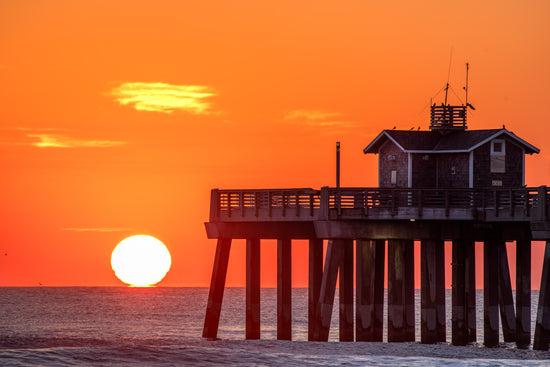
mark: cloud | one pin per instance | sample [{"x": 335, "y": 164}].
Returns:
[
  {"x": 328, "y": 121},
  {"x": 99, "y": 229},
  {"x": 309, "y": 115},
  {"x": 163, "y": 97},
  {"x": 64, "y": 141}
]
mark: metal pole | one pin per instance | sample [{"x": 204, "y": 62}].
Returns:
[{"x": 337, "y": 164}]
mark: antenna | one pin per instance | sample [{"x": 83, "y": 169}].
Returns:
[
  {"x": 466, "y": 88},
  {"x": 448, "y": 75}
]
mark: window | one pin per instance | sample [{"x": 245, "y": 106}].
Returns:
[
  {"x": 394, "y": 177},
  {"x": 498, "y": 147},
  {"x": 498, "y": 156}
]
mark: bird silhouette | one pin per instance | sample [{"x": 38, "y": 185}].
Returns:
[{"x": 394, "y": 128}]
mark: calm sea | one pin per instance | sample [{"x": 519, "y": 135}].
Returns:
[{"x": 117, "y": 326}]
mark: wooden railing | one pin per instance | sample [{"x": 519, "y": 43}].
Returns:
[
  {"x": 448, "y": 117},
  {"x": 379, "y": 203}
]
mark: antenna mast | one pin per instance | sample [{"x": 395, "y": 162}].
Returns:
[{"x": 466, "y": 88}]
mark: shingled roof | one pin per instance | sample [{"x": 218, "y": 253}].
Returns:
[{"x": 434, "y": 142}]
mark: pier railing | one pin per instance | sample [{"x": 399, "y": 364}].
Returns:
[{"x": 305, "y": 204}]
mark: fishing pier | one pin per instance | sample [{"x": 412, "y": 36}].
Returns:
[{"x": 445, "y": 184}]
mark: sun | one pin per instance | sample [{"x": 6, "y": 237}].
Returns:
[{"x": 140, "y": 260}]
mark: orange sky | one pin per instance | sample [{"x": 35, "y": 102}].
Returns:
[{"x": 118, "y": 117}]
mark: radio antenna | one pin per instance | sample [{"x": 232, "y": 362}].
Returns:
[
  {"x": 448, "y": 76},
  {"x": 466, "y": 87}
]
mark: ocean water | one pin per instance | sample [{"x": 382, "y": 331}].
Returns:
[{"x": 120, "y": 326}]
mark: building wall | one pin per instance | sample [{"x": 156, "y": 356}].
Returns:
[
  {"x": 511, "y": 178},
  {"x": 424, "y": 170},
  {"x": 453, "y": 170},
  {"x": 391, "y": 158}
]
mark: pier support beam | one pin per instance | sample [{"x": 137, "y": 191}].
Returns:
[
  {"x": 464, "y": 292},
  {"x": 314, "y": 288},
  {"x": 400, "y": 291},
  {"x": 217, "y": 286},
  {"x": 432, "y": 292},
  {"x": 328, "y": 288},
  {"x": 284, "y": 289},
  {"x": 490, "y": 293},
  {"x": 346, "y": 290},
  {"x": 252, "y": 289},
  {"x": 459, "y": 324},
  {"x": 523, "y": 294},
  {"x": 542, "y": 328},
  {"x": 470, "y": 290},
  {"x": 505, "y": 297},
  {"x": 369, "y": 306}
]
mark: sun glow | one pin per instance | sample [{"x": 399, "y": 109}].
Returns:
[{"x": 140, "y": 261}]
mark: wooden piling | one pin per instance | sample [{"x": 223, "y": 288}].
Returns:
[
  {"x": 284, "y": 289},
  {"x": 490, "y": 293},
  {"x": 217, "y": 286},
  {"x": 523, "y": 293},
  {"x": 346, "y": 290},
  {"x": 314, "y": 287},
  {"x": 542, "y": 328},
  {"x": 252, "y": 289},
  {"x": 408, "y": 291},
  {"x": 505, "y": 297},
  {"x": 397, "y": 328},
  {"x": 470, "y": 290},
  {"x": 328, "y": 288},
  {"x": 440, "y": 296},
  {"x": 432, "y": 290},
  {"x": 459, "y": 293},
  {"x": 369, "y": 306}
]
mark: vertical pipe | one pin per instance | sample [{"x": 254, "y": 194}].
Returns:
[
  {"x": 314, "y": 288},
  {"x": 490, "y": 293},
  {"x": 542, "y": 328},
  {"x": 523, "y": 293},
  {"x": 252, "y": 289},
  {"x": 470, "y": 290},
  {"x": 346, "y": 290},
  {"x": 284, "y": 289},
  {"x": 505, "y": 297},
  {"x": 428, "y": 312},
  {"x": 217, "y": 285},
  {"x": 337, "y": 164},
  {"x": 458, "y": 294},
  {"x": 328, "y": 288},
  {"x": 408, "y": 290},
  {"x": 395, "y": 291}
]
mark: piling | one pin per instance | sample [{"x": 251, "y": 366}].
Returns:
[
  {"x": 252, "y": 289},
  {"x": 284, "y": 289}
]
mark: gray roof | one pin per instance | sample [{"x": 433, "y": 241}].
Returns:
[{"x": 412, "y": 141}]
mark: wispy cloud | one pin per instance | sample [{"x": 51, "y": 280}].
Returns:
[
  {"x": 49, "y": 137},
  {"x": 163, "y": 97},
  {"x": 310, "y": 115},
  {"x": 331, "y": 122},
  {"x": 98, "y": 229},
  {"x": 64, "y": 141}
]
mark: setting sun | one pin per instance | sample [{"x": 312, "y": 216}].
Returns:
[{"x": 140, "y": 260}]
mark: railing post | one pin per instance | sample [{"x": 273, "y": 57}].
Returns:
[
  {"x": 541, "y": 207},
  {"x": 324, "y": 203},
  {"x": 229, "y": 204},
  {"x": 214, "y": 205},
  {"x": 241, "y": 199}
]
